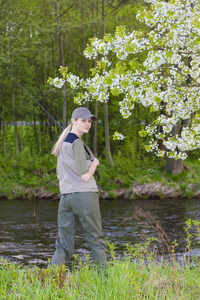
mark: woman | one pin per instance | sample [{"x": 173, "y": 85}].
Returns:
[{"x": 79, "y": 194}]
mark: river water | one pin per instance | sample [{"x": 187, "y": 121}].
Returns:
[{"x": 29, "y": 228}]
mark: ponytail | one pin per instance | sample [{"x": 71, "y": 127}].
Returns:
[{"x": 56, "y": 148}]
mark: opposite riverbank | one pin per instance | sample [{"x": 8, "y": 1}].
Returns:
[
  {"x": 154, "y": 190},
  {"x": 36, "y": 179}
]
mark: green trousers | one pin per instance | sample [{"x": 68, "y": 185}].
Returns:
[{"x": 82, "y": 207}]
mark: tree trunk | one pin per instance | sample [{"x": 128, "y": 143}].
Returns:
[
  {"x": 176, "y": 166},
  {"x": 160, "y": 142},
  {"x": 36, "y": 133},
  {"x": 22, "y": 124},
  {"x": 105, "y": 105},
  {"x": 3, "y": 115},
  {"x": 107, "y": 139},
  {"x": 84, "y": 61},
  {"x": 95, "y": 146},
  {"x": 95, "y": 149},
  {"x": 85, "y": 68},
  {"x": 2, "y": 119},
  {"x": 12, "y": 85},
  {"x": 62, "y": 64}
]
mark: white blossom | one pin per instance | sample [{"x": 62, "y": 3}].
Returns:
[
  {"x": 168, "y": 79},
  {"x": 58, "y": 82},
  {"x": 118, "y": 136}
]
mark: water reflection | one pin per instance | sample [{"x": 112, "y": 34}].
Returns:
[{"x": 29, "y": 228}]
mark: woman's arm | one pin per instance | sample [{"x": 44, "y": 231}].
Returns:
[{"x": 92, "y": 169}]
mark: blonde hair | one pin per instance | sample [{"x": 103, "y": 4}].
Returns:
[{"x": 56, "y": 148}]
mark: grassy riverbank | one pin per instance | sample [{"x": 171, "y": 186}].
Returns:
[
  {"x": 124, "y": 280},
  {"x": 35, "y": 177}
]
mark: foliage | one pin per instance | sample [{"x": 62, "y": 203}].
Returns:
[
  {"x": 29, "y": 177},
  {"x": 158, "y": 69},
  {"x": 32, "y": 35}
]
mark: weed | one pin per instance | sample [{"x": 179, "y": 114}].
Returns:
[{"x": 146, "y": 220}]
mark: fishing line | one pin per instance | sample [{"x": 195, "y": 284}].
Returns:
[{"x": 56, "y": 122}]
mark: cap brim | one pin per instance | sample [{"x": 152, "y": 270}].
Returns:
[
  {"x": 94, "y": 118},
  {"x": 87, "y": 116}
]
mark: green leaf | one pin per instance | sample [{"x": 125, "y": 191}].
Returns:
[
  {"x": 142, "y": 133},
  {"x": 147, "y": 148},
  {"x": 130, "y": 48},
  {"x": 115, "y": 91},
  {"x": 108, "y": 80}
]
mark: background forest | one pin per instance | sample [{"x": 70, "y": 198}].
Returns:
[{"x": 37, "y": 38}]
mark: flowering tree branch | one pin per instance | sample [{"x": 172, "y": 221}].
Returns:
[{"x": 167, "y": 78}]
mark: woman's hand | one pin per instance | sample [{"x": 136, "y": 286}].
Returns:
[
  {"x": 97, "y": 161},
  {"x": 92, "y": 169}
]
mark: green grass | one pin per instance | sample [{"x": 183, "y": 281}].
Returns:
[{"x": 122, "y": 280}]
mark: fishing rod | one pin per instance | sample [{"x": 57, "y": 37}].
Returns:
[{"x": 56, "y": 122}]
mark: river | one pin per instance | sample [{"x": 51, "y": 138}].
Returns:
[{"x": 29, "y": 228}]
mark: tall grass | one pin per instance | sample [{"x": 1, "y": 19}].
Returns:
[
  {"x": 123, "y": 280},
  {"x": 139, "y": 275}
]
